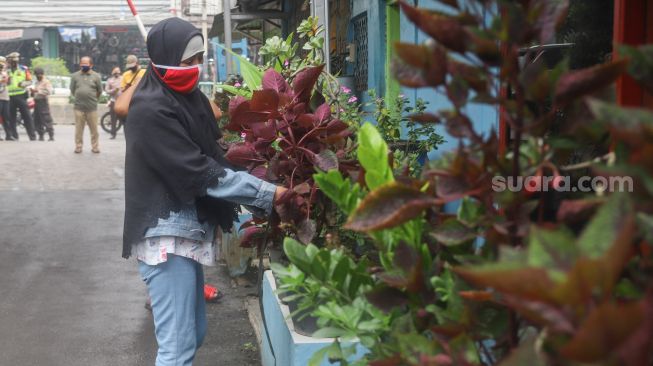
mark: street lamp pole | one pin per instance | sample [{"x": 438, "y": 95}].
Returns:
[{"x": 226, "y": 4}]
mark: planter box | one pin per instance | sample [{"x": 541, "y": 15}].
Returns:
[{"x": 290, "y": 347}]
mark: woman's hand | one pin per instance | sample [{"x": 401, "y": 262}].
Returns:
[
  {"x": 278, "y": 194},
  {"x": 216, "y": 110},
  {"x": 121, "y": 107}
]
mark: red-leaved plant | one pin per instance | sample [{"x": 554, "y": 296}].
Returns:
[{"x": 288, "y": 133}]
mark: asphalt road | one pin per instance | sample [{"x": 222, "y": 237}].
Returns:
[{"x": 67, "y": 298}]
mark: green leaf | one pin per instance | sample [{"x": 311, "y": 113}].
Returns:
[
  {"x": 296, "y": 252},
  {"x": 236, "y": 91},
  {"x": 340, "y": 190},
  {"x": 334, "y": 352},
  {"x": 329, "y": 332},
  {"x": 340, "y": 273},
  {"x": 452, "y": 232},
  {"x": 552, "y": 248},
  {"x": 389, "y": 206},
  {"x": 373, "y": 156},
  {"x": 470, "y": 212},
  {"x": 600, "y": 234},
  {"x": 320, "y": 265},
  {"x": 318, "y": 357},
  {"x": 252, "y": 75},
  {"x": 641, "y": 64}
]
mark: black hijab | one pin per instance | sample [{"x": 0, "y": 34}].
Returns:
[{"x": 172, "y": 153}]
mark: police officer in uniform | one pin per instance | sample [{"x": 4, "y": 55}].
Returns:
[{"x": 20, "y": 80}]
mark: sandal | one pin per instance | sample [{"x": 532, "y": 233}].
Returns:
[{"x": 211, "y": 293}]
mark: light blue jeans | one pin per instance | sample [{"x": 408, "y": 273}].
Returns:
[{"x": 176, "y": 288}]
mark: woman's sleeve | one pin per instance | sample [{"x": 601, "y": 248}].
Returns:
[{"x": 245, "y": 189}]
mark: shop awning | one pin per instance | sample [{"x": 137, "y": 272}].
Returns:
[{"x": 9, "y": 35}]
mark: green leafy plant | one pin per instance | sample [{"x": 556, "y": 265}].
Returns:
[
  {"x": 278, "y": 51},
  {"x": 51, "y": 66},
  {"x": 542, "y": 276},
  {"x": 420, "y": 138}
]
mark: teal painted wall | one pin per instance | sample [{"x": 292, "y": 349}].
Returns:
[
  {"x": 51, "y": 43},
  {"x": 376, "y": 51}
]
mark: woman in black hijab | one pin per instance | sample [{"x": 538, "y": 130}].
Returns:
[{"x": 178, "y": 188}]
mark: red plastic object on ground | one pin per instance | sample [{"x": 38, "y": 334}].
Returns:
[{"x": 211, "y": 293}]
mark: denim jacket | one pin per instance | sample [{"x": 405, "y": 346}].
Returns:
[{"x": 237, "y": 187}]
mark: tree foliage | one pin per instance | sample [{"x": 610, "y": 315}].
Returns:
[{"x": 51, "y": 66}]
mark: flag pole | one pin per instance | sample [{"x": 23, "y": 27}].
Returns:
[{"x": 139, "y": 22}]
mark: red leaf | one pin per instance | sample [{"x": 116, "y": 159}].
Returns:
[
  {"x": 252, "y": 237},
  {"x": 306, "y": 120},
  {"x": 386, "y": 299},
  {"x": 425, "y": 118},
  {"x": 305, "y": 81},
  {"x": 264, "y": 130},
  {"x": 326, "y": 160},
  {"x": 242, "y": 154},
  {"x": 388, "y": 206},
  {"x": 605, "y": 329},
  {"x": 414, "y": 55},
  {"x": 266, "y": 100},
  {"x": 306, "y": 231},
  {"x": 235, "y": 102},
  {"x": 525, "y": 283},
  {"x": 259, "y": 172},
  {"x": 336, "y": 126},
  {"x": 323, "y": 112},
  {"x": 273, "y": 80},
  {"x": 476, "y": 295},
  {"x": 447, "y": 31},
  {"x": 576, "y": 84}
]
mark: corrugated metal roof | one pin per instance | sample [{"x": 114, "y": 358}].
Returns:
[{"x": 30, "y": 13}]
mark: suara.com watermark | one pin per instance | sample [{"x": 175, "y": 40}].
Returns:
[{"x": 560, "y": 183}]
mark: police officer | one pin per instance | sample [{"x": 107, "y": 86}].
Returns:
[
  {"x": 4, "y": 101},
  {"x": 20, "y": 80}
]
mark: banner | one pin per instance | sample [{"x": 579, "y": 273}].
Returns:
[
  {"x": 74, "y": 34},
  {"x": 11, "y": 34}
]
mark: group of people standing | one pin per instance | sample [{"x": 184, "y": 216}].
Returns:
[{"x": 16, "y": 86}]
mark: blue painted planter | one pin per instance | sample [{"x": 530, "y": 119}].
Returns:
[{"x": 290, "y": 347}]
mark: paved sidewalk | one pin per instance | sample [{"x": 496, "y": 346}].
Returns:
[{"x": 67, "y": 298}]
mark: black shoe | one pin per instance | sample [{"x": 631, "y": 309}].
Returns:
[
  {"x": 51, "y": 138},
  {"x": 11, "y": 138},
  {"x": 112, "y": 137},
  {"x": 41, "y": 138}
]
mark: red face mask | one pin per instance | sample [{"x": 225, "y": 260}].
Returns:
[{"x": 182, "y": 79}]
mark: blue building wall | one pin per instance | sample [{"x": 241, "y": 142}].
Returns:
[
  {"x": 484, "y": 118},
  {"x": 239, "y": 47}
]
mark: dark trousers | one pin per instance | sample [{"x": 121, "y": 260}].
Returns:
[
  {"x": 19, "y": 103},
  {"x": 114, "y": 119},
  {"x": 10, "y": 129},
  {"x": 42, "y": 117}
]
